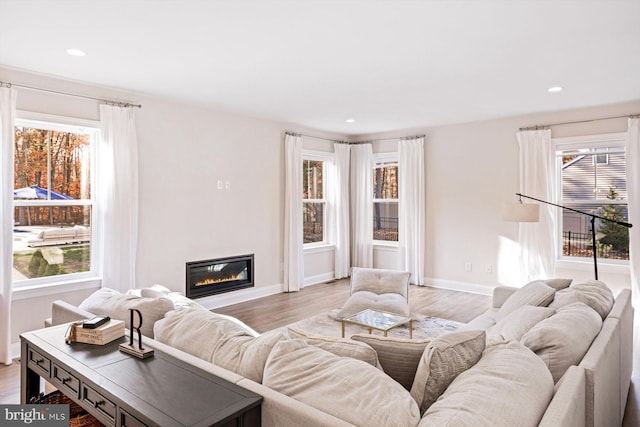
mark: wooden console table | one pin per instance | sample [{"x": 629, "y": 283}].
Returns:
[{"x": 121, "y": 390}]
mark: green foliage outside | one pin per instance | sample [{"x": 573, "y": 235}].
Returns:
[
  {"x": 33, "y": 264},
  {"x": 616, "y": 237}
]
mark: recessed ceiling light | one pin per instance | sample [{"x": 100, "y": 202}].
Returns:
[
  {"x": 76, "y": 52},
  {"x": 554, "y": 89},
  {"x": 350, "y": 120}
]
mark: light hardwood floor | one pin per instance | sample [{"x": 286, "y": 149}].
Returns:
[{"x": 274, "y": 311}]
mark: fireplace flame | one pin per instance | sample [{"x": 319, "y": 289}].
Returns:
[{"x": 209, "y": 281}]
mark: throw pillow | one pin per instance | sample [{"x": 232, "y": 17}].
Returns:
[
  {"x": 509, "y": 386},
  {"x": 518, "y": 322},
  {"x": 398, "y": 357},
  {"x": 444, "y": 358},
  {"x": 594, "y": 293},
  {"x": 339, "y": 346},
  {"x": 563, "y": 339},
  {"x": 218, "y": 339},
  {"x": 108, "y": 302},
  {"x": 349, "y": 389},
  {"x": 533, "y": 293}
]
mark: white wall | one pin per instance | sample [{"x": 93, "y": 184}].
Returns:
[
  {"x": 470, "y": 170},
  {"x": 185, "y": 149}
]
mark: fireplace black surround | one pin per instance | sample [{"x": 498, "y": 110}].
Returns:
[{"x": 215, "y": 276}]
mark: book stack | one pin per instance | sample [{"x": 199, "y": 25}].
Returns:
[{"x": 104, "y": 334}]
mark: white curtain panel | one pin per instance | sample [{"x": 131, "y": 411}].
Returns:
[
  {"x": 633, "y": 197},
  {"x": 118, "y": 172},
  {"x": 7, "y": 122},
  {"x": 362, "y": 205},
  {"x": 537, "y": 179},
  {"x": 411, "y": 208},
  {"x": 340, "y": 211},
  {"x": 293, "y": 257}
]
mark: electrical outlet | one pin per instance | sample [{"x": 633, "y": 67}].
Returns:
[
  {"x": 468, "y": 266},
  {"x": 488, "y": 268},
  {"x": 220, "y": 184}
]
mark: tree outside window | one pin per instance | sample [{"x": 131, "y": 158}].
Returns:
[
  {"x": 52, "y": 200},
  {"x": 385, "y": 201},
  {"x": 313, "y": 201}
]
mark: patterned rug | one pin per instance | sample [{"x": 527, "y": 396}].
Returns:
[{"x": 423, "y": 327}]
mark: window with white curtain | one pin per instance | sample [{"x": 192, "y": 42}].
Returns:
[
  {"x": 385, "y": 197},
  {"x": 314, "y": 202},
  {"x": 591, "y": 174},
  {"x": 54, "y": 201}
]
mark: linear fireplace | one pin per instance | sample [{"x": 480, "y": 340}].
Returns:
[{"x": 214, "y": 276}]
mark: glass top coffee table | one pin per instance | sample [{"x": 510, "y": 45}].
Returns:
[{"x": 378, "y": 320}]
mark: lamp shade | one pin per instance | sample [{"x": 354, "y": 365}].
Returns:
[{"x": 520, "y": 212}]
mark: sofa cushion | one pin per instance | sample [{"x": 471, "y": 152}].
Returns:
[
  {"x": 518, "y": 322},
  {"x": 179, "y": 300},
  {"x": 346, "y": 388},
  {"x": 109, "y": 302},
  {"x": 563, "y": 339},
  {"x": 399, "y": 357},
  {"x": 509, "y": 386},
  {"x": 339, "y": 346},
  {"x": 481, "y": 322},
  {"x": 380, "y": 281},
  {"x": 533, "y": 293},
  {"x": 444, "y": 358},
  {"x": 558, "y": 283},
  {"x": 594, "y": 293},
  {"x": 218, "y": 339}
]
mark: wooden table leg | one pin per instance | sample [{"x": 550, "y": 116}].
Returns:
[
  {"x": 410, "y": 328},
  {"x": 342, "y": 328}
]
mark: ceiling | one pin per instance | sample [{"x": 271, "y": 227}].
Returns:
[{"x": 387, "y": 64}]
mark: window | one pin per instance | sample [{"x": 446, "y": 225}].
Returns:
[
  {"x": 385, "y": 198},
  {"x": 313, "y": 199},
  {"x": 53, "y": 201},
  {"x": 592, "y": 179}
]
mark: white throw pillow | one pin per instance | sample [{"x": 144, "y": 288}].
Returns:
[
  {"x": 594, "y": 293},
  {"x": 509, "y": 386},
  {"x": 518, "y": 322},
  {"x": 349, "y": 389},
  {"x": 339, "y": 346},
  {"x": 534, "y": 293},
  {"x": 563, "y": 339},
  {"x": 108, "y": 302}
]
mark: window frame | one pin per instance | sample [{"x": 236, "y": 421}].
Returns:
[
  {"x": 387, "y": 157},
  {"x": 26, "y": 288},
  {"x": 325, "y": 158},
  {"x": 608, "y": 140}
]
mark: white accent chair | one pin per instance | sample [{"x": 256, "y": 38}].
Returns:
[{"x": 377, "y": 289}]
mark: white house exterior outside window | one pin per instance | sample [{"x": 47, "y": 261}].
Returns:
[
  {"x": 592, "y": 178},
  {"x": 54, "y": 203}
]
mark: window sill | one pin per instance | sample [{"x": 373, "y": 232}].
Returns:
[
  {"x": 385, "y": 246},
  {"x": 619, "y": 267},
  {"x": 316, "y": 249},
  {"x": 35, "y": 291}
]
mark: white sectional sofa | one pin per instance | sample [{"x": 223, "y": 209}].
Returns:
[{"x": 497, "y": 380}]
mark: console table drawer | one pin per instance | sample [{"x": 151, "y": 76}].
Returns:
[
  {"x": 128, "y": 420},
  {"x": 39, "y": 363},
  {"x": 65, "y": 381},
  {"x": 104, "y": 409}
]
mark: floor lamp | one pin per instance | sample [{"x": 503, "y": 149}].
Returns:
[{"x": 521, "y": 212}]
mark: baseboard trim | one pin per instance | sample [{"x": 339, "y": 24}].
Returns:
[
  {"x": 236, "y": 297},
  {"x": 15, "y": 350},
  {"x": 319, "y": 278},
  {"x": 453, "y": 285}
]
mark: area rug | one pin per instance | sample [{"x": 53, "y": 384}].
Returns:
[{"x": 423, "y": 327}]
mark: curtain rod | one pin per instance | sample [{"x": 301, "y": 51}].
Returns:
[
  {"x": 539, "y": 127},
  {"x": 355, "y": 142},
  {"x": 106, "y": 101}
]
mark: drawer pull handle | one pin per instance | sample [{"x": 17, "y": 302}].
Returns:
[
  {"x": 39, "y": 361},
  {"x": 98, "y": 403},
  {"x": 65, "y": 380}
]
